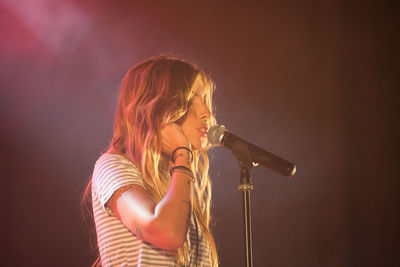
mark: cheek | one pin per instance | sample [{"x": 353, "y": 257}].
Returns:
[
  {"x": 189, "y": 130},
  {"x": 194, "y": 137}
]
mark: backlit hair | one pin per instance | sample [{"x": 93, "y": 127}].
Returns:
[{"x": 152, "y": 93}]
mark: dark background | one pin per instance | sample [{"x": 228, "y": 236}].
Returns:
[{"x": 311, "y": 81}]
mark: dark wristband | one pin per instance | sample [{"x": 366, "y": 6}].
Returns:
[
  {"x": 181, "y": 147},
  {"x": 185, "y": 170}
]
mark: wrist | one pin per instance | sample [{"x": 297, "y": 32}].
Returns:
[
  {"x": 183, "y": 161},
  {"x": 188, "y": 173},
  {"x": 182, "y": 155}
]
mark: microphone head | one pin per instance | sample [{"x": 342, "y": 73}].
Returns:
[{"x": 215, "y": 134}]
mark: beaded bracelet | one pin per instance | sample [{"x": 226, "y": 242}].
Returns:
[
  {"x": 184, "y": 170},
  {"x": 181, "y": 147}
]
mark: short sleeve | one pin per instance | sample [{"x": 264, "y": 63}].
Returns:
[{"x": 110, "y": 173}]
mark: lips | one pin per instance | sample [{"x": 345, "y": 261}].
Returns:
[{"x": 203, "y": 130}]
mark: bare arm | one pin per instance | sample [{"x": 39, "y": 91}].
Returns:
[{"x": 163, "y": 224}]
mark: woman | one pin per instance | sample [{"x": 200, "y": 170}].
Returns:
[{"x": 151, "y": 190}]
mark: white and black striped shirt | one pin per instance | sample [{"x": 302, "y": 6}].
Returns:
[{"x": 117, "y": 245}]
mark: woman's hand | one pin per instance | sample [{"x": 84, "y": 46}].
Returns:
[{"x": 172, "y": 137}]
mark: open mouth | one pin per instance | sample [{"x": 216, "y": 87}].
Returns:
[{"x": 203, "y": 131}]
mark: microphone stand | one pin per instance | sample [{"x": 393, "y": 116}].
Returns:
[
  {"x": 243, "y": 157},
  {"x": 240, "y": 148}
]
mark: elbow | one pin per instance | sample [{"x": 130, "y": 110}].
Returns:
[
  {"x": 174, "y": 241},
  {"x": 169, "y": 237}
]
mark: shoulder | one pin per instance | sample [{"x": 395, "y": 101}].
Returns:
[
  {"x": 114, "y": 167},
  {"x": 109, "y": 160},
  {"x": 111, "y": 173}
]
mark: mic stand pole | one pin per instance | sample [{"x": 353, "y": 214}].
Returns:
[{"x": 244, "y": 159}]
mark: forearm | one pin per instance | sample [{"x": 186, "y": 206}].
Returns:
[{"x": 173, "y": 212}]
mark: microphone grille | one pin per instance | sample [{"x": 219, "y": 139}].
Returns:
[{"x": 215, "y": 134}]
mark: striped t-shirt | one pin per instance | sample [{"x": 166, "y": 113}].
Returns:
[{"x": 117, "y": 245}]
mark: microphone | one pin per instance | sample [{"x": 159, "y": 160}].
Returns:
[{"x": 218, "y": 135}]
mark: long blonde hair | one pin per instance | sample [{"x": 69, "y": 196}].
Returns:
[{"x": 154, "y": 92}]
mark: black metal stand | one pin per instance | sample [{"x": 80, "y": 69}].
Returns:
[
  {"x": 245, "y": 163},
  {"x": 241, "y": 149},
  {"x": 245, "y": 186}
]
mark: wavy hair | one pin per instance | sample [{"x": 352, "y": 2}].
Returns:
[{"x": 152, "y": 93}]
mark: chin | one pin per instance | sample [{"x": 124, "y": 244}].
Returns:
[
  {"x": 199, "y": 144},
  {"x": 196, "y": 146}
]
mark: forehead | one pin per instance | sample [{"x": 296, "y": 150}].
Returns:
[{"x": 201, "y": 89}]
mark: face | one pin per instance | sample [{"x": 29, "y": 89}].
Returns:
[{"x": 197, "y": 121}]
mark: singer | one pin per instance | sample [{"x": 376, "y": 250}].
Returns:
[{"x": 150, "y": 188}]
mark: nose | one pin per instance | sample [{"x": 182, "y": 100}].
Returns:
[{"x": 205, "y": 113}]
